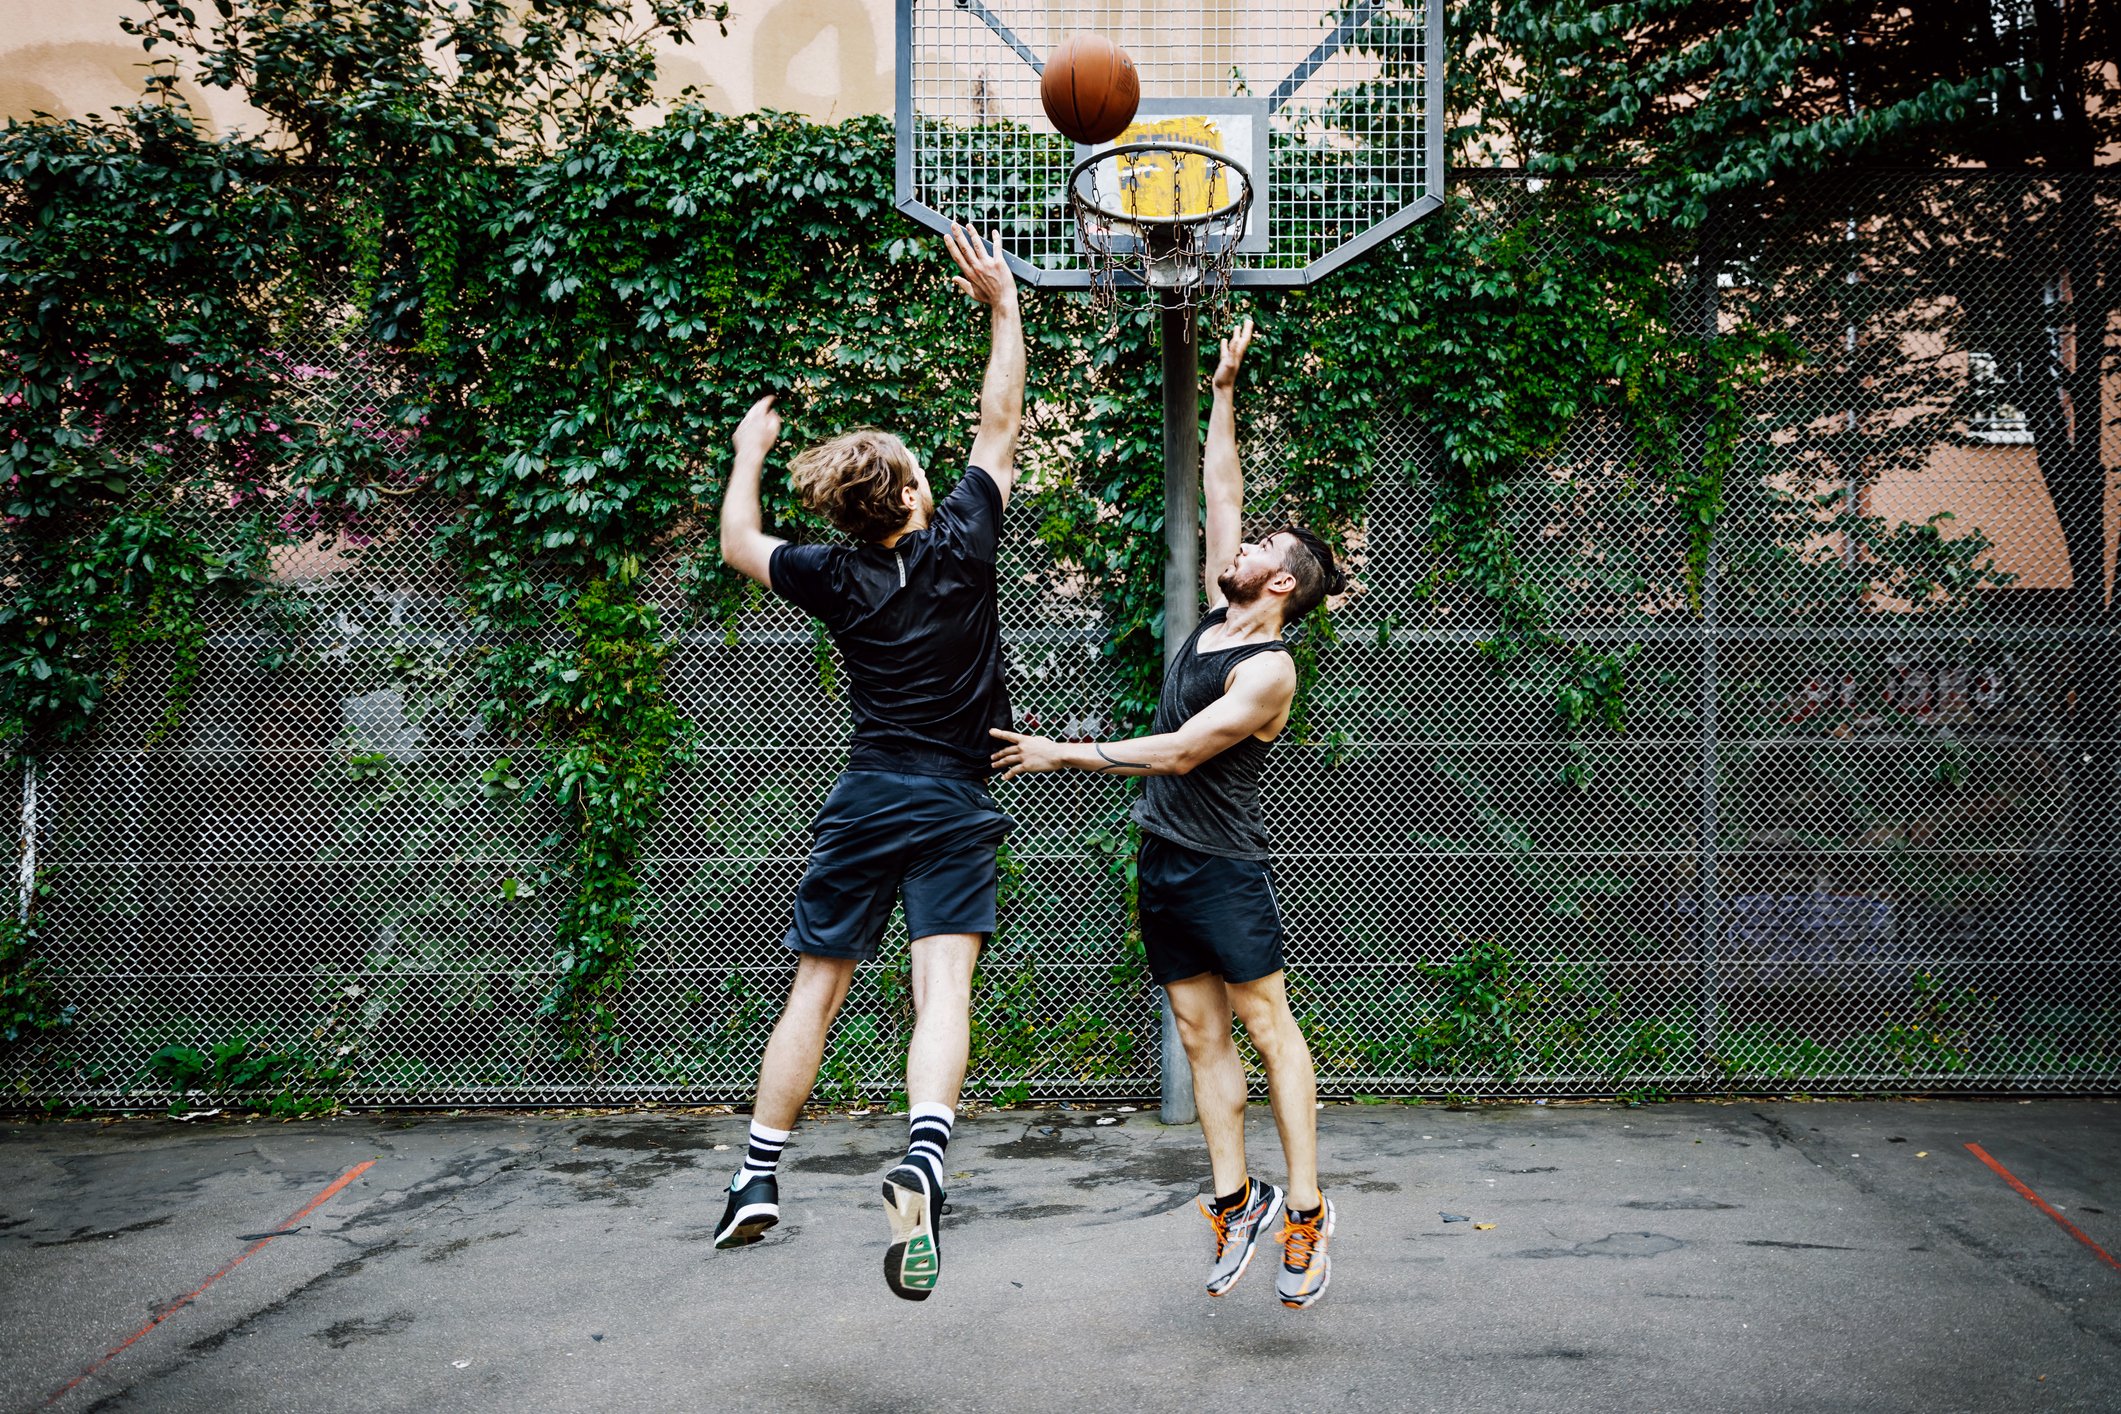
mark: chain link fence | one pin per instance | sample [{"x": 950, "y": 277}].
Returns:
[{"x": 1856, "y": 837}]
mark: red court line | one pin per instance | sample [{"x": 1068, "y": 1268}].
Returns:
[
  {"x": 230, "y": 1265},
  {"x": 2041, "y": 1203}
]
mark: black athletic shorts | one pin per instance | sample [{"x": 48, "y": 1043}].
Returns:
[
  {"x": 881, "y": 833},
  {"x": 1207, "y": 913}
]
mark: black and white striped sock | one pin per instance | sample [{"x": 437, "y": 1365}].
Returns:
[
  {"x": 762, "y": 1156},
  {"x": 928, "y": 1135}
]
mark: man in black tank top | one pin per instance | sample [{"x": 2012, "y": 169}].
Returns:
[
  {"x": 1208, "y": 914},
  {"x": 910, "y": 605}
]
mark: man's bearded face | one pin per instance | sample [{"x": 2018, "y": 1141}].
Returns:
[{"x": 1249, "y": 574}]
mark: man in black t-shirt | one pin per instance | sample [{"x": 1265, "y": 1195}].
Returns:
[
  {"x": 910, "y": 606},
  {"x": 1210, "y": 922}
]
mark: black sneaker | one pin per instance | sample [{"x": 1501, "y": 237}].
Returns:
[
  {"x": 753, "y": 1208},
  {"x": 914, "y": 1205}
]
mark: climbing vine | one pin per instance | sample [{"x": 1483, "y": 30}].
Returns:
[
  {"x": 28, "y": 1008},
  {"x": 613, "y": 738},
  {"x": 142, "y": 417}
]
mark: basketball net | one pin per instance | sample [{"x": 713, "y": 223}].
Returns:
[{"x": 1172, "y": 225}]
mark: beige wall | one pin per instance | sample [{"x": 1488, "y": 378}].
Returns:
[
  {"x": 69, "y": 58},
  {"x": 827, "y": 59}
]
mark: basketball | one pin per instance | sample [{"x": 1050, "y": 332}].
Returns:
[{"x": 1090, "y": 88}]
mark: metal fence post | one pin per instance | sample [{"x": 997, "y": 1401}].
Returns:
[
  {"x": 27, "y": 888},
  {"x": 1181, "y": 358},
  {"x": 1709, "y": 906},
  {"x": 1710, "y": 900}
]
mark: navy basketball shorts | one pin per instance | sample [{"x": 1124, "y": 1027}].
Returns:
[
  {"x": 1206, "y": 913},
  {"x": 882, "y": 834}
]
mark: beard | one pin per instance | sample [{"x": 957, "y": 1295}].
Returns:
[{"x": 1240, "y": 590}]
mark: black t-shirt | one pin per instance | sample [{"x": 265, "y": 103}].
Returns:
[{"x": 918, "y": 633}]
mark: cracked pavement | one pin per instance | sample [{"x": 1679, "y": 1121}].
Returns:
[{"x": 1695, "y": 1257}]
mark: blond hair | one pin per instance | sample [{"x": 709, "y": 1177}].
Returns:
[{"x": 855, "y": 481}]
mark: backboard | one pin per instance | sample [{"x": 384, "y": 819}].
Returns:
[{"x": 1335, "y": 112}]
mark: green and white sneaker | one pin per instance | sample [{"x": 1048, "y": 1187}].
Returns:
[
  {"x": 1236, "y": 1234},
  {"x": 914, "y": 1261}
]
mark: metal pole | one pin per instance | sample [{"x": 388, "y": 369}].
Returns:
[
  {"x": 1711, "y": 886},
  {"x": 27, "y": 889},
  {"x": 1181, "y": 592},
  {"x": 1711, "y": 891}
]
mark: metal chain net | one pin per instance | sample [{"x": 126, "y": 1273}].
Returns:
[
  {"x": 1187, "y": 262},
  {"x": 1857, "y": 836}
]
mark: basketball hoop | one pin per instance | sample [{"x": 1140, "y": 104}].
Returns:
[{"x": 1167, "y": 215}]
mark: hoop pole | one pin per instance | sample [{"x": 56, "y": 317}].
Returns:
[{"x": 1181, "y": 590}]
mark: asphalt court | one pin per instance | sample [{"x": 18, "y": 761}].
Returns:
[{"x": 1735, "y": 1255}]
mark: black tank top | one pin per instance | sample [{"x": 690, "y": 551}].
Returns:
[{"x": 1214, "y": 808}]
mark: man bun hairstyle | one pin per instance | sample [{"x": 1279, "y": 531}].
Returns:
[
  {"x": 855, "y": 481},
  {"x": 1317, "y": 577}
]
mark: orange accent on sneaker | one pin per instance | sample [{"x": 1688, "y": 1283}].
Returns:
[
  {"x": 1217, "y": 1221},
  {"x": 1299, "y": 1240}
]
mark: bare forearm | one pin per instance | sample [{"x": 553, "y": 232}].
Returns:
[
  {"x": 1222, "y": 498},
  {"x": 1215, "y": 729},
  {"x": 1168, "y": 754},
  {"x": 741, "y": 517},
  {"x": 1001, "y": 400},
  {"x": 1221, "y": 473}
]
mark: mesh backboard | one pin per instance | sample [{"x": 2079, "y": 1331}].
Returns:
[{"x": 1350, "y": 97}]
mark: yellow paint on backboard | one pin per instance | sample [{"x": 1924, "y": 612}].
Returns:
[{"x": 1173, "y": 184}]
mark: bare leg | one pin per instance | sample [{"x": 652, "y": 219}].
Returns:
[
  {"x": 1292, "y": 1086},
  {"x": 1202, "y": 1009},
  {"x": 797, "y": 1048},
  {"x": 935, "y": 1071},
  {"x": 942, "y": 1021}
]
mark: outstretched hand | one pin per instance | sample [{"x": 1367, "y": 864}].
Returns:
[
  {"x": 759, "y": 430},
  {"x": 982, "y": 273},
  {"x": 1233, "y": 354},
  {"x": 1024, "y": 755}
]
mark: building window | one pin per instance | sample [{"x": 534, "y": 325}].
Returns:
[{"x": 1990, "y": 418}]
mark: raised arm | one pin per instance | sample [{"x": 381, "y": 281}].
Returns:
[
  {"x": 1222, "y": 474},
  {"x": 1257, "y": 699},
  {"x": 984, "y": 276},
  {"x": 746, "y": 547}
]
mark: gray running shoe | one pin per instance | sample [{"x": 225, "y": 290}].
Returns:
[
  {"x": 1305, "y": 1267},
  {"x": 1236, "y": 1234}
]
